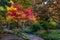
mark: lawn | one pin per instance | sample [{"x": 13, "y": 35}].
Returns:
[{"x": 52, "y": 35}]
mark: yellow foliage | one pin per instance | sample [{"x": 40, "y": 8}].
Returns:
[
  {"x": 0, "y": 16},
  {"x": 50, "y": 9},
  {"x": 10, "y": 8},
  {"x": 11, "y": 2},
  {"x": 8, "y": 18}
]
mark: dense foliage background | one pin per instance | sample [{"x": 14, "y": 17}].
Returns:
[{"x": 30, "y": 16}]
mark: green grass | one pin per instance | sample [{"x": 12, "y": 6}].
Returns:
[{"x": 52, "y": 35}]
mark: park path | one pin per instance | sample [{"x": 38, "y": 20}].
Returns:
[
  {"x": 33, "y": 37},
  {"x": 13, "y": 37}
]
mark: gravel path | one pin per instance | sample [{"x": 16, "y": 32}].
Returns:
[
  {"x": 13, "y": 37},
  {"x": 10, "y": 37},
  {"x": 33, "y": 37}
]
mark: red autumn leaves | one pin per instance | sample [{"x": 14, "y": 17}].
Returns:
[{"x": 19, "y": 13}]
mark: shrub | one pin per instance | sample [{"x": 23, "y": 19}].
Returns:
[{"x": 53, "y": 35}]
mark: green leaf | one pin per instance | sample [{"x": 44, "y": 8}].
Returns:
[
  {"x": 25, "y": 3},
  {"x": 2, "y": 8}
]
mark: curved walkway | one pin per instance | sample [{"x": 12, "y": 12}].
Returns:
[
  {"x": 33, "y": 37},
  {"x": 13, "y": 37}
]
